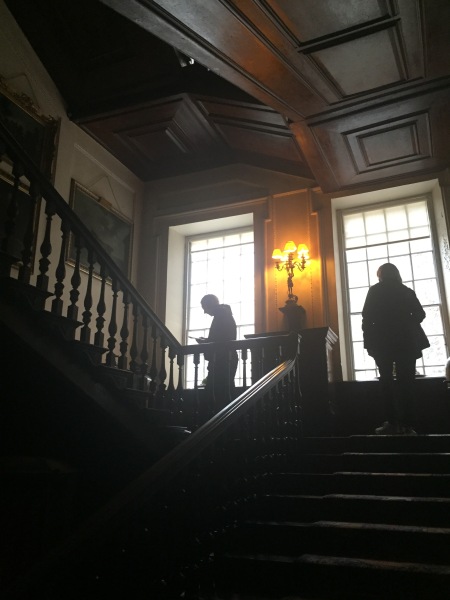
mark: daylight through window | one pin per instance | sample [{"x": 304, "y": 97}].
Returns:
[
  {"x": 401, "y": 235},
  {"x": 221, "y": 264}
]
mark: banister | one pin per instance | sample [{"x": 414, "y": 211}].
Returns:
[
  {"x": 142, "y": 493},
  {"x": 33, "y": 173}
]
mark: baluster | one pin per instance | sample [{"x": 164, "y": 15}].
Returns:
[
  {"x": 179, "y": 389},
  {"x": 57, "y": 303},
  {"x": 153, "y": 372},
  {"x": 284, "y": 417},
  {"x": 72, "y": 310},
  {"x": 28, "y": 238},
  {"x": 162, "y": 370},
  {"x": 260, "y": 419},
  {"x": 297, "y": 403},
  {"x": 144, "y": 355},
  {"x": 46, "y": 249},
  {"x": 264, "y": 361},
  {"x": 180, "y": 363},
  {"x": 101, "y": 309},
  {"x": 292, "y": 408},
  {"x": 276, "y": 413},
  {"x": 197, "y": 416},
  {"x": 124, "y": 333},
  {"x": 11, "y": 213},
  {"x": 133, "y": 349},
  {"x": 85, "y": 333},
  {"x": 112, "y": 327},
  {"x": 244, "y": 357},
  {"x": 256, "y": 363},
  {"x": 171, "y": 386}
]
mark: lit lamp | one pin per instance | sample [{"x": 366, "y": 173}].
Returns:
[{"x": 291, "y": 258}]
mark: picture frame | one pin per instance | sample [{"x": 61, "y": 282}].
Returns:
[
  {"x": 37, "y": 134},
  {"x": 112, "y": 229}
]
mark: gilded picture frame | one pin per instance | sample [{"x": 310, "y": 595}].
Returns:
[
  {"x": 37, "y": 134},
  {"x": 112, "y": 229}
]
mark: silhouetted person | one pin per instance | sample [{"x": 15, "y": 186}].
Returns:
[
  {"x": 391, "y": 321},
  {"x": 222, "y": 364}
]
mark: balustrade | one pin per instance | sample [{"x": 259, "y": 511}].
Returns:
[{"x": 101, "y": 296}]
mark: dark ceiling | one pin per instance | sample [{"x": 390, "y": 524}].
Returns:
[{"x": 343, "y": 93}]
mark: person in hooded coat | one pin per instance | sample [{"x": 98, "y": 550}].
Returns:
[{"x": 393, "y": 336}]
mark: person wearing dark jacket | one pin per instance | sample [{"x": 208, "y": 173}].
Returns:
[
  {"x": 393, "y": 335},
  {"x": 222, "y": 364}
]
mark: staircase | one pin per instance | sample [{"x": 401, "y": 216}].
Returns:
[
  {"x": 358, "y": 517},
  {"x": 108, "y": 495}
]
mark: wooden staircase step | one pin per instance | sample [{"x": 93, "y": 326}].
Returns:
[
  {"x": 351, "y": 482},
  {"x": 351, "y": 539},
  {"x": 376, "y": 443},
  {"x": 380, "y": 462},
  {"x": 402, "y": 510},
  {"x": 333, "y": 577}
]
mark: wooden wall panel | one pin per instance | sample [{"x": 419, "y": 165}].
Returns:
[
  {"x": 389, "y": 141},
  {"x": 353, "y": 79}
]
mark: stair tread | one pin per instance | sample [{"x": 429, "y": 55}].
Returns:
[
  {"x": 363, "y": 497},
  {"x": 349, "y": 453},
  {"x": 352, "y": 525},
  {"x": 387, "y": 474},
  {"x": 367, "y": 474},
  {"x": 343, "y": 561}
]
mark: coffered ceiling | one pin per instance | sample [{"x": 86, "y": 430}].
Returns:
[{"x": 345, "y": 93}]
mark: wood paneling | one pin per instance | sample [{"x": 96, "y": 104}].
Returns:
[
  {"x": 389, "y": 140},
  {"x": 347, "y": 93}
]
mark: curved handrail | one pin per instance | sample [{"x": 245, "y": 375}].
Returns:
[
  {"x": 47, "y": 191},
  {"x": 149, "y": 485}
]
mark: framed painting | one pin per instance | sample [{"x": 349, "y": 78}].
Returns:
[
  {"x": 110, "y": 228},
  {"x": 35, "y": 132}
]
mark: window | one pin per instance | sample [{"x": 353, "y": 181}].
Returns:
[
  {"x": 221, "y": 264},
  {"x": 401, "y": 234}
]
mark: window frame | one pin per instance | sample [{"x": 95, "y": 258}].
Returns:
[
  {"x": 187, "y": 276},
  {"x": 365, "y": 207}
]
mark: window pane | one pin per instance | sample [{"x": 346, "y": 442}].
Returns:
[
  {"x": 398, "y": 249},
  {"x": 417, "y": 214},
  {"x": 396, "y": 219},
  {"x": 355, "y": 323},
  {"x": 427, "y": 291},
  {"x": 355, "y": 255},
  {"x": 423, "y": 265},
  {"x": 353, "y": 225},
  {"x": 375, "y": 222},
  {"x": 357, "y": 297},
  {"x": 378, "y": 252},
  {"x": 357, "y": 274}
]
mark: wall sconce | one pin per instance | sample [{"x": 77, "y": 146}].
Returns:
[{"x": 291, "y": 258}]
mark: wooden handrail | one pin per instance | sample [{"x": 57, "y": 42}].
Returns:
[
  {"x": 45, "y": 189},
  {"x": 264, "y": 421},
  {"x": 141, "y": 493}
]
